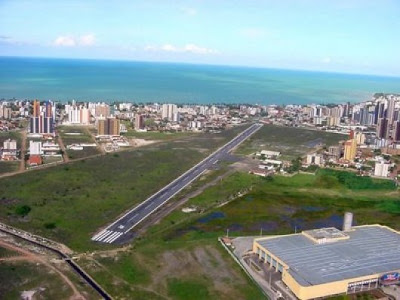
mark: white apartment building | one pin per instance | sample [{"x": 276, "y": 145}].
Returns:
[
  {"x": 35, "y": 148},
  {"x": 382, "y": 168}
]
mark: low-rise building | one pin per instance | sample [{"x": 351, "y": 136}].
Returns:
[
  {"x": 9, "y": 150},
  {"x": 326, "y": 262}
]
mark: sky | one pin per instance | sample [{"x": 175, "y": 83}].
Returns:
[{"x": 350, "y": 36}]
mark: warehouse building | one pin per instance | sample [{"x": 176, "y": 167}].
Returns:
[{"x": 325, "y": 262}]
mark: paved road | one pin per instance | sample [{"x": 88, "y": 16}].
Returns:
[{"x": 117, "y": 231}]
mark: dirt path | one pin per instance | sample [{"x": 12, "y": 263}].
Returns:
[
  {"x": 101, "y": 149},
  {"x": 62, "y": 146},
  {"x": 32, "y": 257},
  {"x": 23, "y": 150}
]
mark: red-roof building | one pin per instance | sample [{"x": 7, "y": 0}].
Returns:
[{"x": 35, "y": 160}]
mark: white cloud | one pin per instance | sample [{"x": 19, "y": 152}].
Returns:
[
  {"x": 256, "y": 33},
  {"x": 65, "y": 41},
  {"x": 326, "y": 60},
  {"x": 150, "y": 48},
  {"x": 188, "y": 48},
  {"x": 72, "y": 41},
  {"x": 189, "y": 11},
  {"x": 199, "y": 50},
  {"x": 169, "y": 48},
  {"x": 87, "y": 40}
]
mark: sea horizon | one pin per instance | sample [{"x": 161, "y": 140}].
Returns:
[{"x": 66, "y": 79}]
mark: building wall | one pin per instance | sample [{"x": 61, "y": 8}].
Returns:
[
  {"x": 350, "y": 150},
  {"x": 322, "y": 290},
  {"x": 315, "y": 291}
]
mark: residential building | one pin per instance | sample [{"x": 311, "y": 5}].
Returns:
[
  {"x": 78, "y": 115},
  {"x": 350, "y": 150},
  {"x": 35, "y": 148},
  {"x": 168, "y": 111},
  {"x": 9, "y": 150},
  {"x": 382, "y": 128},
  {"x": 139, "y": 122},
  {"x": 382, "y": 168},
  {"x": 42, "y": 119},
  {"x": 102, "y": 110},
  {"x": 108, "y": 126},
  {"x": 315, "y": 159}
]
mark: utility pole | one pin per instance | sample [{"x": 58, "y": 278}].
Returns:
[
  {"x": 261, "y": 231},
  {"x": 227, "y": 232}
]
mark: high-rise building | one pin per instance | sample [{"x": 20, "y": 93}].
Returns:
[
  {"x": 5, "y": 112},
  {"x": 101, "y": 126},
  {"x": 168, "y": 111},
  {"x": 382, "y": 128},
  {"x": 350, "y": 150},
  {"x": 359, "y": 137},
  {"x": 382, "y": 169},
  {"x": 102, "y": 110},
  {"x": 42, "y": 120},
  {"x": 78, "y": 115},
  {"x": 109, "y": 126},
  {"x": 396, "y": 132},
  {"x": 391, "y": 110},
  {"x": 335, "y": 152},
  {"x": 139, "y": 122}
]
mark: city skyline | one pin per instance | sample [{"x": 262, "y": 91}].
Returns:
[{"x": 340, "y": 36}]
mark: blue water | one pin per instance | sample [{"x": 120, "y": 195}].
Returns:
[
  {"x": 212, "y": 216},
  {"x": 100, "y": 80}
]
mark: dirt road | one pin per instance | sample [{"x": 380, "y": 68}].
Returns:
[{"x": 32, "y": 257}]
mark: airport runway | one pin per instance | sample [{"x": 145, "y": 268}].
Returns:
[{"x": 116, "y": 231}]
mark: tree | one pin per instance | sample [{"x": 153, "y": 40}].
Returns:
[{"x": 22, "y": 210}]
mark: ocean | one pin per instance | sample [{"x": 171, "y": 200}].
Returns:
[{"x": 109, "y": 81}]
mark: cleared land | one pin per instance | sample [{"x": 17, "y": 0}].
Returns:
[
  {"x": 160, "y": 136},
  {"x": 81, "y": 135},
  {"x": 291, "y": 141}
]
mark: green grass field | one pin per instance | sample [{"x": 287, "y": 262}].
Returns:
[
  {"x": 8, "y": 166},
  {"x": 161, "y": 136},
  {"x": 71, "y": 202},
  {"x": 290, "y": 141},
  {"x": 83, "y": 137},
  {"x": 281, "y": 204}
]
